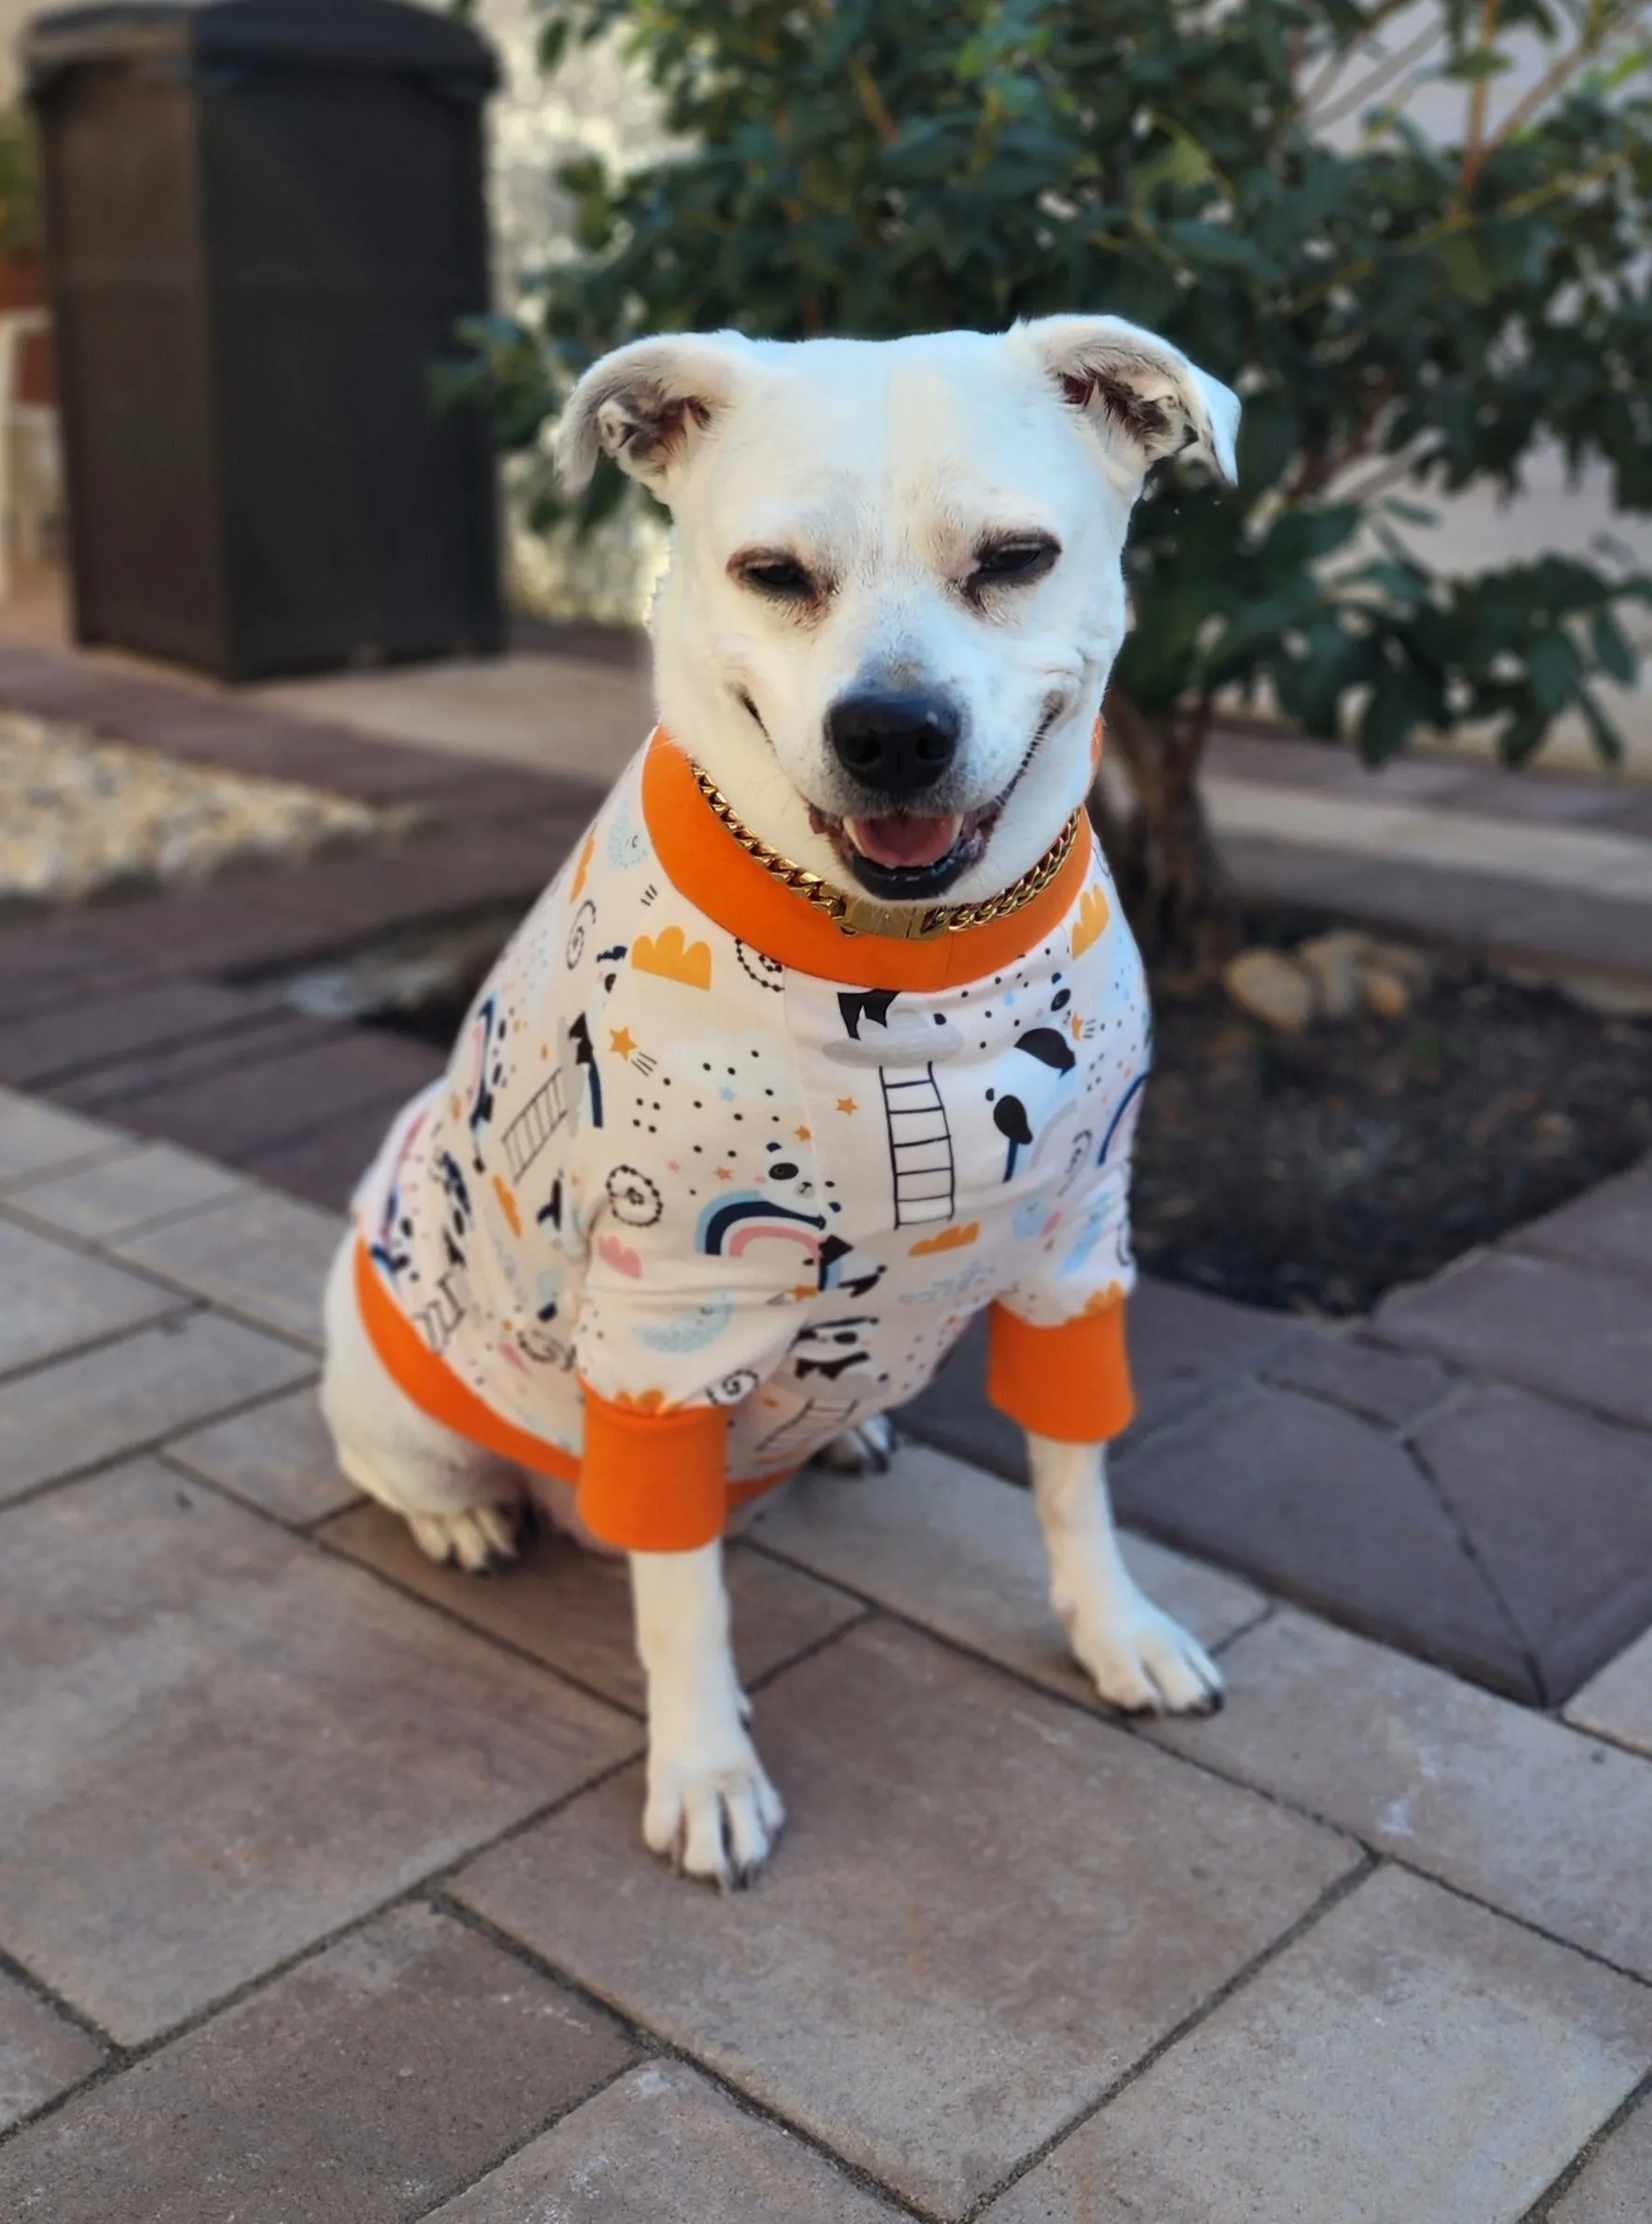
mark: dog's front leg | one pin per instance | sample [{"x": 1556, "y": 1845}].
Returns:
[
  {"x": 1140, "y": 1659},
  {"x": 709, "y": 1806}
]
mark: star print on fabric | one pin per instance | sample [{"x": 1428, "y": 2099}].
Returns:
[
  {"x": 802, "y": 1134},
  {"x": 620, "y": 1041},
  {"x": 725, "y": 1173},
  {"x": 847, "y": 1104},
  {"x": 726, "y": 1094}
]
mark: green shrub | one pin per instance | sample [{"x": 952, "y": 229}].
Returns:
[{"x": 1402, "y": 316}]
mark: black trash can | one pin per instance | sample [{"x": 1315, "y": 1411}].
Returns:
[{"x": 263, "y": 219}]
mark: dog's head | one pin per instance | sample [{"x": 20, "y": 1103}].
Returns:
[{"x": 896, "y": 592}]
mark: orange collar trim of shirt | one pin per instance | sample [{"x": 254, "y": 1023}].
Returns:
[{"x": 708, "y": 866}]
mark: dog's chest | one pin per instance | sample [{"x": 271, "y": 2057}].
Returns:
[{"x": 944, "y": 1109}]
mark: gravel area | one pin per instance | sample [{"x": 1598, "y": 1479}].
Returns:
[{"x": 82, "y": 817}]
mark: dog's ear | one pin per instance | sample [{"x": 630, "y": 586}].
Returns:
[
  {"x": 1141, "y": 394},
  {"x": 646, "y": 405}
]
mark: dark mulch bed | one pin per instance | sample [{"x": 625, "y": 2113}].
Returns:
[
  {"x": 1313, "y": 1172},
  {"x": 1316, "y": 1171}
]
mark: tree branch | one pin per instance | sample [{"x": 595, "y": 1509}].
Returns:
[
  {"x": 1342, "y": 56},
  {"x": 1414, "y": 51},
  {"x": 1480, "y": 94},
  {"x": 1390, "y": 474},
  {"x": 1565, "y": 66},
  {"x": 1316, "y": 472}
]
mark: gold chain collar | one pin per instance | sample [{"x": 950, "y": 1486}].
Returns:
[{"x": 865, "y": 914}]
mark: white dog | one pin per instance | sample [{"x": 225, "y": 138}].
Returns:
[{"x": 829, "y": 1035}]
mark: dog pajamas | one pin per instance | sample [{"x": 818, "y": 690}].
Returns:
[{"x": 709, "y": 1179}]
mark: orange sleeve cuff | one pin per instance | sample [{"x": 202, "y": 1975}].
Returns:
[
  {"x": 653, "y": 1482},
  {"x": 1071, "y": 1382}
]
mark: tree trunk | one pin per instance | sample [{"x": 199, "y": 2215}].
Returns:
[{"x": 1175, "y": 888}]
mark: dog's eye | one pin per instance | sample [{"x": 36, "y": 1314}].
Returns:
[
  {"x": 781, "y": 576},
  {"x": 1015, "y": 560}
]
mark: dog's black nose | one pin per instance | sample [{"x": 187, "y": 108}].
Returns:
[{"x": 896, "y": 743}]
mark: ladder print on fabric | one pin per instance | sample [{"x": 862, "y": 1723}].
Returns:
[
  {"x": 441, "y": 1315},
  {"x": 920, "y": 1146},
  {"x": 533, "y": 1127},
  {"x": 805, "y": 1428}
]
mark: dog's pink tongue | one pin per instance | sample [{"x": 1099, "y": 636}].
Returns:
[{"x": 898, "y": 839}]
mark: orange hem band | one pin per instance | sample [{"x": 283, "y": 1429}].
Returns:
[
  {"x": 653, "y": 1482},
  {"x": 1071, "y": 1382},
  {"x": 647, "y": 1482},
  {"x": 708, "y": 866}
]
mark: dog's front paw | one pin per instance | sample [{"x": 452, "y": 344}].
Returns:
[
  {"x": 477, "y": 1539},
  {"x": 1143, "y": 1663},
  {"x": 864, "y": 1449},
  {"x": 712, "y": 1816}
]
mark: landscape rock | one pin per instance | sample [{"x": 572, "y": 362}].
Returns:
[
  {"x": 1269, "y": 985},
  {"x": 1386, "y": 994},
  {"x": 1414, "y": 966},
  {"x": 1333, "y": 961}
]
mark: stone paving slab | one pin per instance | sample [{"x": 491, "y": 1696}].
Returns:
[
  {"x": 1538, "y": 857},
  {"x": 277, "y": 1457},
  {"x": 1610, "y": 1225},
  {"x": 1583, "y": 1334},
  {"x": 42, "y": 2053},
  {"x": 661, "y": 2146},
  {"x": 1618, "y": 1702},
  {"x": 964, "y": 1858},
  {"x": 362, "y": 2087},
  {"x": 259, "y": 1255},
  {"x": 1572, "y": 926},
  {"x": 82, "y": 1032},
  {"x": 277, "y": 1090},
  {"x": 1615, "y": 2185},
  {"x": 125, "y": 1396},
  {"x": 35, "y": 1138},
  {"x": 1557, "y": 1507},
  {"x": 1333, "y": 1512},
  {"x": 1185, "y": 1345},
  {"x": 959, "y": 1552},
  {"x": 57, "y": 1299},
  {"x": 571, "y": 1608},
  {"x": 51, "y": 959},
  {"x": 217, "y": 1743},
  {"x": 323, "y": 1165},
  {"x": 123, "y": 1192},
  {"x": 1410, "y": 2058},
  {"x": 1548, "y": 1826},
  {"x": 126, "y": 1088},
  {"x": 1393, "y": 1388}
]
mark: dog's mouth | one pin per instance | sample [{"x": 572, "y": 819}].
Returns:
[
  {"x": 916, "y": 855},
  {"x": 910, "y": 854}
]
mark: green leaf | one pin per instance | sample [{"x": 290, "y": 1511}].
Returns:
[
  {"x": 1398, "y": 707},
  {"x": 1613, "y": 649},
  {"x": 1607, "y": 738},
  {"x": 1463, "y": 256},
  {"x": 1308, "y": 536},
  {"x": 1552, "y": 670},
  {"x": 1215, "y": 244}
]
